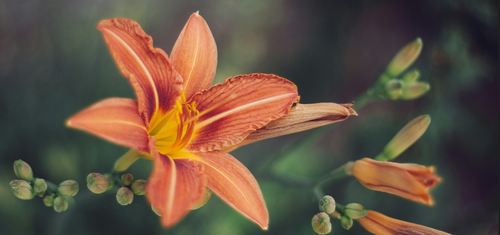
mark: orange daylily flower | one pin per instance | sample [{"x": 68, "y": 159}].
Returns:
[
  {"x": 410, "y": 181},
  {"x": 185, "y": 125},
  {"x": 380, "y": 224}
]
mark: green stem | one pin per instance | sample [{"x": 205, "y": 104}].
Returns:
[{"x": 336, "y": 174}]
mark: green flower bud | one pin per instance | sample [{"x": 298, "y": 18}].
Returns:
[
  {"x": 327, "y": 204},
  {"x": 415, "y": 90},
  {"x": 97, "y": 183},
  {"x": 321, "y": 223},
  {"x": 405, "y": 138},
  {"x": 124, "y": 196},
  {"x": 355, "y": 210},
  {"x": 22, "y": 189},
  {"x": 110, "y": 180},
  {"x": 23, "y": 170},
  {"x": 40, "y": 186},
  {"x": 60, "y": 204},
  {"x": 68, "y": 188},
  {"x": 139, "y": 187},
  {"x": 127, "y": 179},
  {"x": 394, "y": 89},
  {"x": 48, "y": 200},
  {"x": 411, "y": 77},
  {"x": 404, "y": 58},
  {"x": 346, "y": 222},
  {"x": 206, "y": 198}
]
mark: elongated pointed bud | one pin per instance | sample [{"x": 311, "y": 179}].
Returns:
[
  {"x": 394, "y": 89},
  {"x": 127, "y": 179},
  {"x": 22, "y": 189},
  {"x": 40, "y": 186},
  {"x": 111, "y": 181},
  {"x": 139, "y": 187},
  {"x": 48, "y": 200},
  {"x": 206, "y": 198},
  {"x": 404, "y": 58},
  {"x": 346, "y": 222},
  {"x": 97, "y": 183},
  {"x": 321, "y": 223},
  {"x": 411, "y": 76},
  {"x": 124, "y": 196},
  {"x": 23, "y": 170},
  {"x": 405, "y": 138},
  {"x": 415, "y": 90},
  {"x": 68, "y": 188},
  {"x": 327, "y": 204},
  {"x": 60, "y": 204},
  {"x": 355, "y": 210}
]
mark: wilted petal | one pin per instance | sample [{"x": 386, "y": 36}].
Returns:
[
  {"x": 157, "y": 85},
  {"x": 302, "y": 117},
  {"x": 194, "y": 55},
  {"x": 234, "y": 184},
  {"x": 377, "y": 223},
  {"x": 232, "y": 110},
  {"x": 115, "y": 120},
  {"x": 175, "y": 186}
]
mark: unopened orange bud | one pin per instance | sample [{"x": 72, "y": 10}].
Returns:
[
  {"x": 22, "y": 189},
  {"x": 410, "y": 181},
  {"x": 97, "y": 183},
  {"x": 415, "y": 90},
  {"x": 327, "y": 204},
  {"x": 321, "y": 223},
  {"x": 139, "y": 187},
  {"x": 124, "y": 196},
  {"x": 405, "y": 138},
  {"x": 68, "y": 188},
  {"x": 404, "y": 58},
  {"x": 23, "y": 170},
  {"x": 377, "y": 223}
]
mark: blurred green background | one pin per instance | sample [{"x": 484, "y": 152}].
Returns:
[{"x": 53, "y": 63}]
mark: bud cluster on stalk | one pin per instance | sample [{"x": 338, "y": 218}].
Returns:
[
  {"x": 26, "y": 187},
  {"x": 98, "y": 183},
  {"x": 392, "y": 85},
  {"x": 321, "y": 222}
]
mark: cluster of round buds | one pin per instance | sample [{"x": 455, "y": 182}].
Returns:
[
  {"x": 321, "y": 222},
  {"x": 27, "y": 186},
  {"x": 98, "y": 183}
]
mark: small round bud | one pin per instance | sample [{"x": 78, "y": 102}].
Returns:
[
  {"x": 327, "y": 204},
  {"x": 23, "y": 170},
  {"x": 40, "y": 186},
  {"x": 346, "y": 222},
  {"x": 127, "y": 179},
  {"x": 22, "y": 189},
  {"x": 355, "y": 210},
  {"x": 68, "y": 188},
  {"x": 321, "y": 223},
  {"x": 48, "y": 200},
  {"x": 60, "y": 204},
  {"x": 394, "y": 89},
  {"x": 139, "y": 187},
  {"x": 110, "y": 180},
  {"x": 97, "y": 183},
  {"x": 124, "y": 196}
]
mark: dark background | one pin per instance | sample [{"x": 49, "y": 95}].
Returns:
[{"x": 53, "y": 63}]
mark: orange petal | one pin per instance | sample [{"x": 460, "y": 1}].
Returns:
[
  {"x": 175, "y": 186},
  {"x": 115, "y": 120},
  {"x": 194, "y": 55},
  {"x": 232, "y": 110},
  {"x": 377, "y": 223},
  {"x": 156, "y": 83},
  {"x": 234, "y": 184}
]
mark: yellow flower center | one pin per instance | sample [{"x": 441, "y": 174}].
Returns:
[{"x": 174, "y": 130}]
